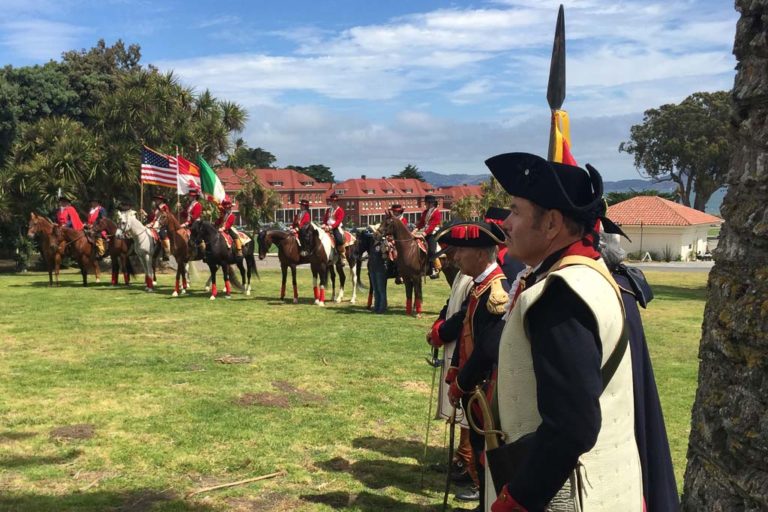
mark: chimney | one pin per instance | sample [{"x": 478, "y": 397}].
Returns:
[{"x": 362, "y": 176}]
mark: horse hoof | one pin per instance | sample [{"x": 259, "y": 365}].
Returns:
[
  {"x": 184, "y": 291},
  {"x": 227, "y": 296},
  {"x": 321, "y": 304},
  {"x": 213, "y": 297},
  {"x": 337, "y": 300},
  {"x": 295, "y": 301},
  {"x": 175, "y": 294},
  {"x": 150, "y": 290},
  {"x": 248, "y": 292},
  {"x": 154, "y": 283},
  {"x": 317, "y": 302},
  {"x": 207, "y": 288},
  {"x": 352, "y": 301},
  {"x": 98, "y": 280}
]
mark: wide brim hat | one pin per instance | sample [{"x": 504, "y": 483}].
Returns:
[
  {"x": 396, "y": 208},
  {"x": 496, "y": 215},
  {"x": 333, "y": 197},
  {"x": 304, "y": 202},
  {"x": 429, "y": 198},
  {"x": 471, "y": 234},
  {"x": 575, "y": 191},
  {"x": 160, "y": 197},
  {"x": 125, "y": 204},
  {"x": 193, "y": 192}
]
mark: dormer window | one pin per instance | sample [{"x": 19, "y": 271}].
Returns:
[{"x": 276, "y": 183}]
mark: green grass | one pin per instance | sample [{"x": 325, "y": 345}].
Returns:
[{"x": 346, "y": 395}]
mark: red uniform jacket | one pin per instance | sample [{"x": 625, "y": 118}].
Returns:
[
  {"x": 225, "y": 221},
  {"x": 193, "y": 212},
  {"x": 300, "y": 220},
  {"x": 405, "y": 222},
  {"x": 336, "y": 220},
  {"x": 95, "y": 214},
  {"x": 432, "y": 223},
  {"x": 69, "y": 215}
]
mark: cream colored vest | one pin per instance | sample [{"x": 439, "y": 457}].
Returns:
[
  {"x": 461, "y": 287},
  {"x": 609, "y": 474}
]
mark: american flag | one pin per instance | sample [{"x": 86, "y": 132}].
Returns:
[{"x": 158, "y": 169}]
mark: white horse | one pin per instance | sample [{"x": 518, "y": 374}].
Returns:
[{"x": 143, "y": 245}]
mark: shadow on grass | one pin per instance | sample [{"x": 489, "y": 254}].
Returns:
[
  {"x": 365, "y": 501},
  {"x": 35, "y": 460},
  {"x": 379, "y": 474},
  {"x": 398, "y": 447},
  {"x": 129, "y": 501},
  {"x": 15, "y": 436},
  {"x": 665, "y": 292}
]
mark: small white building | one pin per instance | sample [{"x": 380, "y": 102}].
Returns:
[{"x": 659, "y": 226}]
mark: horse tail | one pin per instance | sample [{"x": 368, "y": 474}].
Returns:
[
  {"x": 250, "y": 260},
  {"x": 234, "y": 277}
]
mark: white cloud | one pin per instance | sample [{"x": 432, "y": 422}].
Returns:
[{"x": 39, "y": 39}]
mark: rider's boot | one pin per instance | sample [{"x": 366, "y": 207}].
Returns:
[
  {"x": 436, "y": 266},
  {"x": 342, "y": 255},
  {"x": 238, "y": 247},
  {"x": 100, "y": 249}
]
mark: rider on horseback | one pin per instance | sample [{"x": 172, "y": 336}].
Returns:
[
  {"x": 194, "y": 209},
  {"x": 225, "y": 222},
  {"x": 428, "y": 225},
  {"x": 397, "y": 212},
  {"x": 96, "y": 213},
  {"x": 67, "y": 216},
  {"x": 153, "y": 222},
  {"x": 332, "y": 222},
  {"x": 300, "y": 220}
]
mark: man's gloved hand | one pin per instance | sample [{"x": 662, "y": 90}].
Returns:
[
  {"x": 506, "y": 503},
  {"x": 451, "y": 374},
  {"x": 455, "y": 393},
  {"x": 433, "y": 336}
]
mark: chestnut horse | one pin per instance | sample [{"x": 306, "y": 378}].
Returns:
[
  {"x": 118, "y": 249},
  {"x": 180, "y": 248},
  {"x": 411, "y": 261},
  {"x": 79, "y": 249},
  {"x": 51, "y": 246},
  {"x": 287, "y": 254}
]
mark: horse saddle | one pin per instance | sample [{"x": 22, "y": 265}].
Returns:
[
  {"x": 349, "y": 238},
  {"x": 227, "y": 238},
  {"x": 421, "y": 241},
  {"x": 244, "y": 239}
]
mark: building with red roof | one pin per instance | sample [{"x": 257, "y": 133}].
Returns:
[
  {"x": 660, "y": 226},
  {"x": 456, "y": 193}
]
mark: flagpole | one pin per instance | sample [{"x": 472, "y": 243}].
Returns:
[{"x": 178, "y": 195}]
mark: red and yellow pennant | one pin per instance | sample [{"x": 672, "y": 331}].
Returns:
[{"x": 560, "y": 151}]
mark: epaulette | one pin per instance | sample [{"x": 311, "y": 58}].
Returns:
[{"x": 497, "y": 299}]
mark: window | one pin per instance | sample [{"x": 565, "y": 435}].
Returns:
[
  {"x": 408, "y": 191},
  {"x": 340, "y": 191},
  {"x": 276, "y": 183},
  {"x": 308, "y": 183}
]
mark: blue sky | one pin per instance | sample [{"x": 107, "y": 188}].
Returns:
[{"x": 368, "y": 87}]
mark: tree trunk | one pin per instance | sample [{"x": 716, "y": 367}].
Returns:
[{"x": 728, "y": 448}]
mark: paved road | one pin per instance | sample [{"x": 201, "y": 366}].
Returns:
[{"x": 691, "y": 266}]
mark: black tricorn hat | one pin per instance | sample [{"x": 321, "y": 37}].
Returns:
[
  {"x": 496, "y": 215},
  {"x": 471, "y": 234},
  {"x": 125, "y": 204},
  {"x": 429, "y": 198},
  {"x": 574, "y": 191},
  {"x": 160, "y": 197},
  {"x": 397, "y": 208}
]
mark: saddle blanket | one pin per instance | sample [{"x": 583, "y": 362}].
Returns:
[{"x": 244, "y": 239}]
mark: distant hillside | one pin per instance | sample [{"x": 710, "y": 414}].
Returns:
[{"x": 449, "y": 180}]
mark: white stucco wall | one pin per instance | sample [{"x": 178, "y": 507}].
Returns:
[{"x": 684, "y": 242}]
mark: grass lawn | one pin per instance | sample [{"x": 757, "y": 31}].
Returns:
[{"x": 113, "y": 399}]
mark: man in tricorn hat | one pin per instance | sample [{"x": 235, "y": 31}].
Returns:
[
  {"x": 429, "y": 225},
  {"x": 397, "y": 212},
  {"x": 509, "y": 265},
  {"x": 194, "y": 209},
  {"x": 564, "y": 385},
  {"x": 477, "y": 335},
  {"x": 67, "y": 216},
  {"x": 333, "y": 224}
]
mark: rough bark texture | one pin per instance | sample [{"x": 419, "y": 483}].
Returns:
[{"x": 728, "y": 449}]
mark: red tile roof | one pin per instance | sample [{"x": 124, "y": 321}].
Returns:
[
  {"x": 655, "y": 211},
  {"x": 458, "y": 192},
  {"x": 383, "y": 187},
  {"x": 289, "y": 178}
]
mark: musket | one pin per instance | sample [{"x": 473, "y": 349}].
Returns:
[
  {"x": 435, "y": 363},
  {"x": 556, "y": 85}
]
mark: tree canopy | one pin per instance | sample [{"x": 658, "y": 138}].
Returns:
[
  {"x": 320, "y": 172},
  {"x": 689, "y": 143},
  {"x": 617, "y": 197},
  {"x": 78, "y": 125},
  {"x": 410, "y": 171},
  {"x": 244, "y": 157}
]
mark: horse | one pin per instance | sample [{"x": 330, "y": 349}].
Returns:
[
  {"x": 118, "y": 249},
  {"x": 411, "y": 260},
  {"x": 317, "y": 244},
  {"x": 287, "y": 253},
  {"x": 144, "y": 245},
  {"x": 180, "y": 247},
  {"x": 51, "y": 247},
  {"x": 217, "y": 254},
  {"x": 81, "y": 250},
  {"x": 313, "y": 236}
]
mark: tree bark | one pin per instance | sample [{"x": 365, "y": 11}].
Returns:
[{"x": 728, "y": 448}]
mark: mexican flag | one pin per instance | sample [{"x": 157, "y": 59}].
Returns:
[{"x": 210, "y": 183}]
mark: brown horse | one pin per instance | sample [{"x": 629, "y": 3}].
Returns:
[
  {"x": 51, "y": 246},
  {"x": 179, "y": 247},
  {"x": 79, "y": 249},
  {"x": 287, "y": 253},
  {"x": 411, "y": 261},
  {"x": 118, "y": 249}
]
